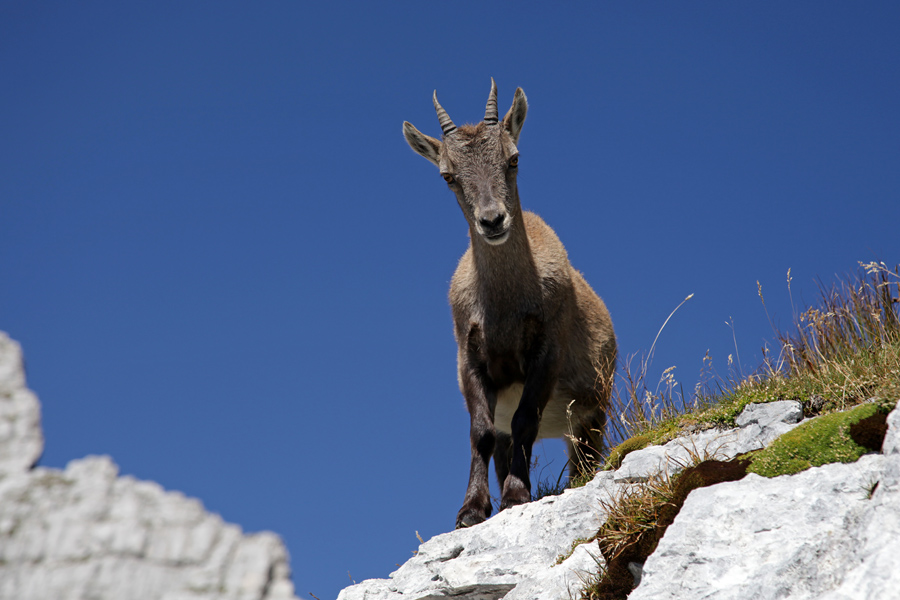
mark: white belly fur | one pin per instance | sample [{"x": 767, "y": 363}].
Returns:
[{"x": 554, "y": 423}]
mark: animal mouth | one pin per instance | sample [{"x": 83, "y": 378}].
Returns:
[{"x": 495, "y": 238}]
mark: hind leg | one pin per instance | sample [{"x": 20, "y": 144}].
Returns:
[
  {"x": 586, "y": 448},
  {"x": 502, "y": 456}
]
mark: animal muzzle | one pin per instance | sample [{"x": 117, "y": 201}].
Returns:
[{"x": 493, "y": 225}]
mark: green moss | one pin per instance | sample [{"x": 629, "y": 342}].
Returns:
[
  {"x": 817, "y": 442},
  {"x": 618, "y": 454}
]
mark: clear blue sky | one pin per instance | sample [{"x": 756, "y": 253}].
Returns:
[{"x": 229, "y": 271}]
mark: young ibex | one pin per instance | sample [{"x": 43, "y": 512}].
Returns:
[{"x": 537, "y": 350}]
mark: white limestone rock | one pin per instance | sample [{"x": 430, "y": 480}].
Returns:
[
  {"x": 85, "y": 532},
  {"x": 21, "y": 438},
  {"x": 770, "y": 413},
  {"x": 816, "y": 534},
  {"x": 759, "y": 424},
  {"x": 565, "y": 580},
  {"x": 891, "y": 445},
  {"x": 512, "y": 555}
]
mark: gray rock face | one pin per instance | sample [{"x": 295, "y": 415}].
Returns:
[
  {"x": 21, "y": 439},
  {"x": 84, "y": 532},
  {"x": 762, "y": 415},
  {"x": 514, "y": 554},
  {"x": 816, "y": 534}
]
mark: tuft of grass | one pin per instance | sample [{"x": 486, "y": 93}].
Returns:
[
  {"x": 632, "y": 516},
  {"x": 846, "y": 349},
  {"x": 856, "y": 317},
  {"x": 546, "y": 487},
  {"x": 840, "y": 353},
  {"x": 870, "y": 488}
]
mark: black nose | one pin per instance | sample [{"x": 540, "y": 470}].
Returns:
[{"x": 491, "y": 223}]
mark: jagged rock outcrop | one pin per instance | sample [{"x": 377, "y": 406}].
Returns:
[
  {"x": 84, "y": 532},
  {"x": 515, "y": 554},
  {"x": 21, "y": 438},
  {"x": 822, "y": 533},
  {"x": 518, "y": 550}
]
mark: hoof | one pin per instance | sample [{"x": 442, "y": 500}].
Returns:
[
  {"x": 507, "y": 503},
  {"x": 469, "y": 517},
  {"x": 515, "y": 492}
]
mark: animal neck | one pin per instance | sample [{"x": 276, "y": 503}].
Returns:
[{"x": 508, "y": 269}]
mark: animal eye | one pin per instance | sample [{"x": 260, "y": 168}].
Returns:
[
  {"x": 514, "y": 161},
  {"x": 447, "y": 177}
]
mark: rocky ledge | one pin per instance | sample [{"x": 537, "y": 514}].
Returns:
[
  {"x": 85, "y": 532},
  {"x": 828, "y": 532}
]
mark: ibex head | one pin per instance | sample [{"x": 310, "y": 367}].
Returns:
[{"x": 479, "y": 163}]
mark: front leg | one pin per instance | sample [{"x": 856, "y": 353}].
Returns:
[
  {"x": 540, "y": 380},
  {"x": 477, "y": 504}
]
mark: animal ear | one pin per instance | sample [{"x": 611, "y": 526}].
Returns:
[
  {"x": 422, "y": 144},
  {"x": 516, "y": 116}
]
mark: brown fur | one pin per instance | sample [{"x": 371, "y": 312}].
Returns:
[{"x": 524, "y": 319}]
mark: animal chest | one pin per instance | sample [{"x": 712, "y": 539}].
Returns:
[
  {"x": 501, "y": 347},
  {"x": 503, "y": 357}
]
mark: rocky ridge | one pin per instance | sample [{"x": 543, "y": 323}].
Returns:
[
  {"x": 817, "y": 534},
  {"x": 84, "y": 532},
  {"x": 830, "y": 532}
]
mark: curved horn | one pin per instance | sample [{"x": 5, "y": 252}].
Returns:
[
  {"x": 447, "y": 125},
  {"x": 491, "y": 117}
]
